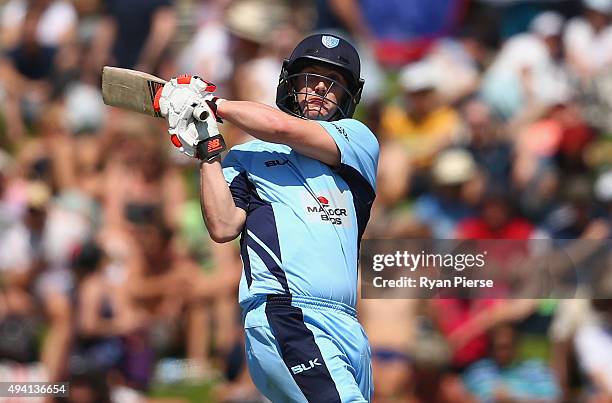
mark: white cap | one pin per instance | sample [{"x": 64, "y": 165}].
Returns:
[
  {"x": 87, "y": 110},
  {"x": 418, "y": 76},
  {"x": 453, "y": 167},
  {"x": 602, "y": 6},
  {"x": 548, "y": 23},
  {"x": 256, "y": 20},
  {"x": 603, "y": 187}
]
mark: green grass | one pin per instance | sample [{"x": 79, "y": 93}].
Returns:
[{"x": 193, "y": 392}]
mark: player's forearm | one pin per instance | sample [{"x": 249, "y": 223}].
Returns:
[
  {"x": 307, "y": 137},
  {"x": 259, "y": 120},
  {"x": 223, "y": 219}
]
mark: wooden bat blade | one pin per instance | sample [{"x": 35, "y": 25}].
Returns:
[{"x": 130, "y": 89}]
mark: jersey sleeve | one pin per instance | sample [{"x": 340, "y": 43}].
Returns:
[
  {"x": 236, "y": 178},
  {"x": 358, "y": 146}
]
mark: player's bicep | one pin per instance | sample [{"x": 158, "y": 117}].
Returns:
[
  {"x": 239, "y": 219},
  {"x": 238, "y": 184},
  {"x": 310, "y": 139},
  {"x": 240, "y": 189},
  {"x": 357, "y": 145}
]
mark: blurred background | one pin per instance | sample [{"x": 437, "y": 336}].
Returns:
[{"x": 494, "y": 119}]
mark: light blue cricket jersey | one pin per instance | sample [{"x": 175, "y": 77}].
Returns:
[{"x": 304, "y": 219}]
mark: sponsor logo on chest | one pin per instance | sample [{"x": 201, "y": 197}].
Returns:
[{"x": 329, "y": 208}]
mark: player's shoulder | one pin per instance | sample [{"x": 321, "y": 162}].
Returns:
[
  {"x": 245, "y": 152},
  {"x": 350, "y": 128},
  {"x": 257, "y": 145},
  {"x": 352, "y": 124},
  {"x": 246, "y": 146}
]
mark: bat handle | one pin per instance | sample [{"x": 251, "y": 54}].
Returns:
[{"x": 200, "y": 113}]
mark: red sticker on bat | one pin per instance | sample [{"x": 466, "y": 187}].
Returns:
[{"x": 156, "y": 99}]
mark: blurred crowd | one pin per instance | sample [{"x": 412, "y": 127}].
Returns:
[{"x": 495, "y": 122}]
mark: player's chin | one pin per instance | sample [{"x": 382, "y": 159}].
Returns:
[{"x": 316, "y": 113}]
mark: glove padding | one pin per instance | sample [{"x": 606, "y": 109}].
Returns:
[{"x": 185, "y": 101}]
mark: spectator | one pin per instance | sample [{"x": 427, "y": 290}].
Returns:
[
  {"x": 594, "y": 348},
  {"x": 424, "y": 124},
  {"x": 588, "y": 39},
  {"x": 33, "y": 260},
  {"x": 102, "y": 307},
  {"x": 86, "y": 387},
  {"x": 133, "y": 35},
  {"x": 503, "y": 377},
  {"x": 9, "y": 208},
  {"x": 527, "y": 70},
  {"x": 135, "y": 174},
  {"x": 460, "y": 62},
  {"x": 405, "y": 30},
  {"x": 498, "y": 219},
  {"x": 576, "y": 215},
  {"x": 25, "y": 71},
  {"x": 462, "y": 322},
  {"x": 390, "y": 213},
  {"x": 557, "y": 138},
  {"x": 391, "y": 326},
  {"x": 603, "y": 193},
  {"x": 254, "y": 77},
  {"x": 456, "y": 191},
  {"x": 163, "y": 285},
  {"x": 31, "y": 58},
  {"x": 342, "y": 15},
  {"x": 214, "y": 289},
  {"x": 56, "y": 26},
  {"x": 208, "y": 52}
]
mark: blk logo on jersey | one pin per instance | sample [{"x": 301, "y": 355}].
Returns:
[
  {"x": 297, "y": 369},
  {"x": 275, "y": 163},
  {"x": 323, "y": 210}
]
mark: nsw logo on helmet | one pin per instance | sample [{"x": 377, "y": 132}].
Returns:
[{"x": 329, "y": 42}]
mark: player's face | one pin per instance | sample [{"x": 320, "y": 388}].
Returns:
[{"x": 317, "y": 95}]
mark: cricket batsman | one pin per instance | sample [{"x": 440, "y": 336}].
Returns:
[{"x": 300, "y": 197}]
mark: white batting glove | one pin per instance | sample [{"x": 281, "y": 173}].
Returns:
[{"x": 190, "y": 107}]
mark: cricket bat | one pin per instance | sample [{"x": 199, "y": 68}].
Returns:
[
  {"x": 130, "y": 89},
  {"x": 135, "y": 91}
]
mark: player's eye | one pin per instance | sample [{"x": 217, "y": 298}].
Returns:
[
  {"x": 337, "y": 78},
  {"x": 300, "y": 82}
]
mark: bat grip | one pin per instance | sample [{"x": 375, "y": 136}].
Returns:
[{"x": 200, "y": 113}]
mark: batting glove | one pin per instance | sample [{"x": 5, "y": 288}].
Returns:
[{"x": 190, "y": 107}]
